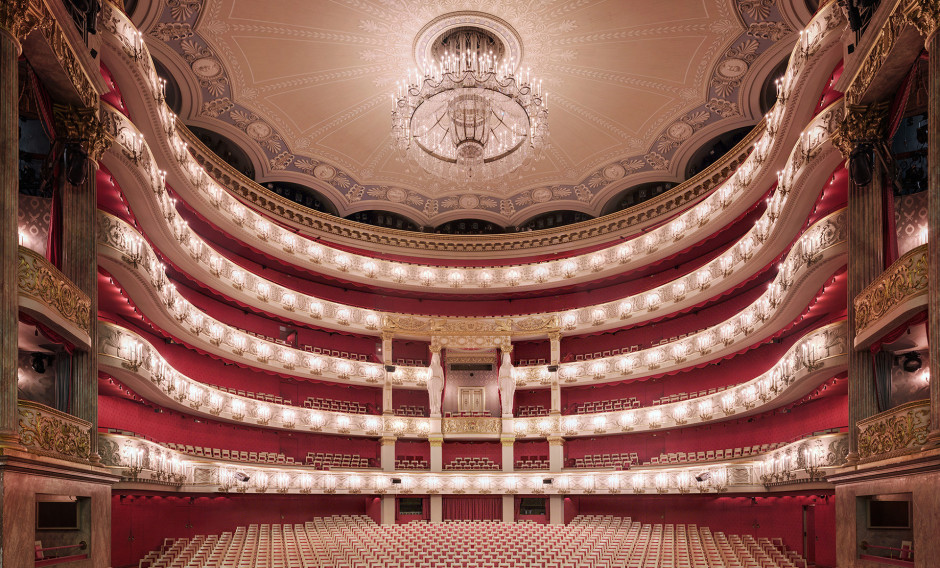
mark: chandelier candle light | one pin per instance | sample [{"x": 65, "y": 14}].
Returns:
[{"x": 469, "y": 116}]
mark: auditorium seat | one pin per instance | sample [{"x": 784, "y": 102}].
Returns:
[{"x": 588, "y": 541}]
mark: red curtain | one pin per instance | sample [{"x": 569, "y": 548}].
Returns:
[{"x": 473, "y": 508}]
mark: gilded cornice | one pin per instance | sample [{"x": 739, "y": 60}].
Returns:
[
  {"x": 861, "y": 123},
  {"x": 82, "y": 125},
  {"x": 43, "y": 283},
  {"x": 905, "y": 279}
]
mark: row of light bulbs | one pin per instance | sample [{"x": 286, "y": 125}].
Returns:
[
  {"x": 725, "y": 333},
  {"x": 806, "y": 355},
  {"x": 470, "y": 277}
]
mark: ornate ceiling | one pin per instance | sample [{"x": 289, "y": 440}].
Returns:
[{"x": 305, "y": 87}]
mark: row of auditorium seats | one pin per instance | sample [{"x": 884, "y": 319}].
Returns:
[
  {"x": 406, "y": 410},
  {"x": 534, "y": 410},
  {"x": 532, "y": 462},
  {"x": 711, "y": 455},
  {"x": 472, "y": 463},
  {"x": 349, "y": 407},
  {"x": 311, "y": 349},
  {"x": 411, "y": 363},
  {"x": 255, "y": 395},
  {"x": 687, "y": 395},
  {"x": 619, "y": 461},
  {"x": 322, "y": 460},
  {"x": 411, "y": 462},
  {"x": 607, "y": 405},
  {"x": 232, "y": 455},
  {"x": 586, "y": 542}
]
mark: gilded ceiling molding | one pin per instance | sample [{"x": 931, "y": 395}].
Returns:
[
  {"x": 906, "y": 279},
  {"x": 861, "y": 124},
  {"x": 82, "y": 126}
]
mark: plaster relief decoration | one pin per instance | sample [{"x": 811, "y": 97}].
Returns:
[
  {"x": 54, "y": 433},
  {"x": 308, "y": 87}
]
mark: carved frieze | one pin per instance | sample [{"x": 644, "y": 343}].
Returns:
[
  {"x": 471, "y": 425},
  {"x": 81, "y": 125}
]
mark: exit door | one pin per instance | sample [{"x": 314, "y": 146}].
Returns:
[
  {"x": 470, "y": 399},
  {"x": 809, "y": 533}
]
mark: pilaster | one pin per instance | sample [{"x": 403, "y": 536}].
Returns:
[
  {"x": 508, "y": 456},
  {"x": 437, "y": 453},
  {"x": 556, "y": 453},
  {"x": 387, "y": 456}
]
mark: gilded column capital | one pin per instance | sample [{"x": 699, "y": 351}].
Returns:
[
  {"x": 388, "y": 335},
  {"x": 436, "y": 441},
  {"x": 436, "y": 345},
  {"x": 555, "y": 441},
  {"x": 925, "y": 16},
  {"x": 507, "y": 441},
  {"x": 861, "y": 124},
  {"x": 388, "y": 440},
  {"x": 82, "y": 126},
  {"x": 554, "y": 335},
  {"x": 17, "y": 18}
]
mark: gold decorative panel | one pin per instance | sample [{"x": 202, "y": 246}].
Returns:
[
  {"x": 51, "y": 432},
  {"x": 904, "y": 280},
  {"x": 43, "y": 283},
  {"x": 895, "y": 432}
]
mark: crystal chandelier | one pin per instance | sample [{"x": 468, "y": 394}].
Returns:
[{"x": 466, "y": 116}]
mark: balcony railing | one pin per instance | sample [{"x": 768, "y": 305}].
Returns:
[
  {"x": 54, "y": 433},
  {"x": 46, "y": 289},
  {"x": 901, "y": 430},
  {"x": 897, "y": 293}
]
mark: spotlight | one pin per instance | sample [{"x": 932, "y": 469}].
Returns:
[
  {"x": 390, "y": 368},
  {"x": 704, "y": 476},
  {"x": 912, "y": 362},
  {"x": 861, "y": 164},
  {"x": 38, "y": 362},
  {"x": 242, "y": 476}
]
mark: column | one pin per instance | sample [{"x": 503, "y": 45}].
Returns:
[
  {"x": 388, "y": 359},
  {"x": 16, "y": 21},
  {"x": 387, "y": 457},
  {"x": 437, "y": 508},
  {"x": 388, "y": 509},
  {"x": 555, "y": 339},
  {"x": 556, "y": 510},
  {"x": 861, "y": 129},
  {"x": 82, "y": 131},
  {"x": 509, "y": 458},
  {"x": 437, "y": 453},
  {"x": 509, "y": 508},
  {"x": 925, "y": 15},
  {"x": 556, "y": 453}
]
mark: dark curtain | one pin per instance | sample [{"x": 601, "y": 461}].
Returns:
[
  {"x": 883, "y": 361},
  {"x": 472, "y": 508},
  {"x": 46, "y": 118}
]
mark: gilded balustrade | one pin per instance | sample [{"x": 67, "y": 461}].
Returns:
[
  {"x": 42, "y": 283},
  {"x": 896, "y": 432},
  {"x": 50, "y": 432},
  {"x": 147, "y": 462},
  {"x": 902, "y": 284}
]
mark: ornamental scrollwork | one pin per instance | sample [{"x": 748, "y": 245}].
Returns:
[
  {"x": 876, "y": 57},
  {"x": 898, "y": 431},
  {"x": 17, "y": 18},
  {"x": 861, "y": 123},
  {"x": 81, "y": 125},
  {"x": 905, "y": 279},
  {"x": 42, "y": 282},
  {"x": 471, "y": 425},
  {"x": 55, "y": 433}
]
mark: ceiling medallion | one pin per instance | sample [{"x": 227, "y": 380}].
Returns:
[{"x": 468, "y": 113}]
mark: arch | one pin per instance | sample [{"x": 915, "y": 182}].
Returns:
[
  {"x": 469, "y": 226},
  {"x": 302, "y": 195},
  {"x": 227, "y": 150},
  {"x": 714, "y": 150},
  {"x": 636, "y": 194},
  {"x": 381, "y": 218}
]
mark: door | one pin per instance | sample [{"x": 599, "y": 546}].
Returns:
[
  {"x": 809, "y": 533},
  {"x": 470, "y": 399}
]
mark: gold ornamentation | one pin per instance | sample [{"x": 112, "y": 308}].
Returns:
[
  {"x": 555, "y": 441},
  {"x": 507, "y": 442},
  {"x": 436, "y": 442},
  {"x": 862, "y": 123},
  {"x": 66, "y": 55},
  {"x": 471, "y": 425},
  {"x": 907, "y": 278},
  {"x": 18, "y": 18},
  {"x": 42, "y": 282},
  {"x": 51, "y": 432},
  {"x": 388, "y": 440},
  {"x": 925, "y": 16},
  {"x": 895, "y": 432},
  {"x": 877, "y": 55},
  {"x": 82, "y": 125}
]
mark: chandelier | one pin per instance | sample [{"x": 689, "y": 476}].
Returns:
[{"x": 466, "y": 116}]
